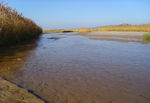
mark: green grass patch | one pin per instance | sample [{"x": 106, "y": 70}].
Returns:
[{"x": 146, "y": 37}]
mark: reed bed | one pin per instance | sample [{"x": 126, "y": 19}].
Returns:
[{"x": 14, "y": 27}]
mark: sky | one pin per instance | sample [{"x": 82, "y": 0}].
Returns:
[{"x": 69, "y": 14}]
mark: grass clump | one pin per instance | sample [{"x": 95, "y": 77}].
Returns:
[
  {"x": 146, "y": 37},
  {"x": 14, "y": 27}
]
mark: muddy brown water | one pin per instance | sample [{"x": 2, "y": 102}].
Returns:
[{"x": 76, "y": 69}]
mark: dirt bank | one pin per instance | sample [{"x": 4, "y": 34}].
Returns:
[{"x": 10, "y": 93}]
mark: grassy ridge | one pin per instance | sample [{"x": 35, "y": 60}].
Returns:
[
  {"x": 126, "y": 27},
  {"x": 14, "y": 27},
  {"x": 57, "y": 31},
  {"x": 69, "y": 30}
]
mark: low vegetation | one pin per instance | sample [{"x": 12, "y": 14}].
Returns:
[
  {"x": 14, "y": 27},
  {"x": 126, "y": 27},
  {"x": 146, "y": 37},
  {"x": 69, "y": 30},
  {"x": 123, "y": 27},
  {"x": 57, "y": 31}
]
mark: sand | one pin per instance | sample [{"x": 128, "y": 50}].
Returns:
[
  {"x": 115, "y": 36},
  {"x": 10, "y": 93}
]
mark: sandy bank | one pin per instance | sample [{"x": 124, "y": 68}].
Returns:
[
  {"x": 10, "y": 93},
  {"x": 115, "y": 36}
]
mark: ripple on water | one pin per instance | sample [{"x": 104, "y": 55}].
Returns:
[{"x": 75, "y": 69}]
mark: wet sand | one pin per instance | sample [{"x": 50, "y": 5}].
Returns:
[
  {"x": 77, "y": 69},
  {"x": 10, "y": 93},
  {"x": 115, "y": 36}
]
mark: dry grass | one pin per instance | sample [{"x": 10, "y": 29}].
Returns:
[
  {"x": 58, "y": 31},
  {"x": 69, "y": 30},
  {"x": 85, "y": 30},
  {"x": 14, "y": 27},
  {"x": 137, "y": 28}
]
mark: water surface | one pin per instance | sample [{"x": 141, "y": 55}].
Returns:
[{"x": 76, "y": 69}]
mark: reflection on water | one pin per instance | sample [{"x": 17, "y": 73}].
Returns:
[
  {"x": 75, "y": 69},
  {"x": 12, "y": 58}
]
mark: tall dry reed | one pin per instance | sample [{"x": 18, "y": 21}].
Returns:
[{"x": 14, "y": 27}]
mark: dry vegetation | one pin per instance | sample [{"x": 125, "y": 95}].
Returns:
[
  {"x": 126, "y": 27},
  {"x": 69, "y": 30},
  {"x": 14, "y": 27},
  {"x": 57, "y": 31},
  {"x": 123, "y": 27}
]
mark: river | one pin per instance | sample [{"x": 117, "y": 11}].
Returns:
[{"x": 69, "y": 68}]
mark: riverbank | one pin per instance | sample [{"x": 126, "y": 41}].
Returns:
[
  {"x": 123, "y": 36},
  {"x": 114, "y": 34},
  {"x": 121, "y": 28},
  {"x": 11, "y": 93},
  {"x": 124, "y": 30}
]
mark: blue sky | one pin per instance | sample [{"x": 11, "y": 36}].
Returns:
[{"x": 68, "y": 14}]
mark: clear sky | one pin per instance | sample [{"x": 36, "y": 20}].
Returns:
[{"x": 67, "y": 14}]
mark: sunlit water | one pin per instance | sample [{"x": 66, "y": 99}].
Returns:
[{"x": 75, "y": 69}]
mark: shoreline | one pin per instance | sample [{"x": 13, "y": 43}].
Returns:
[
  {"x": 114, "y": 33},
  {"x": 11, "y": 93},
  {"x": 122, "y": 36}
]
